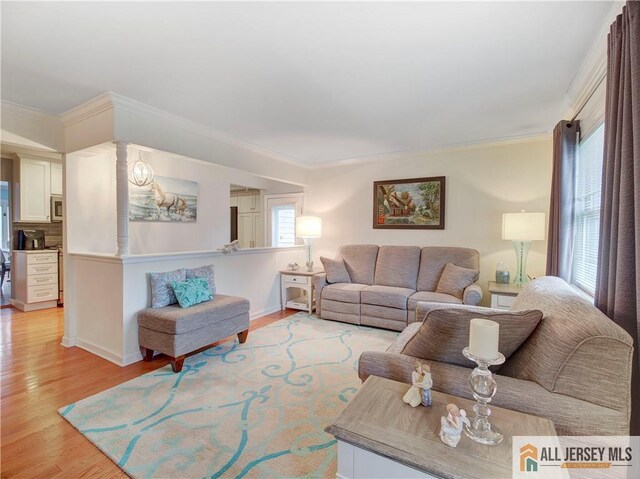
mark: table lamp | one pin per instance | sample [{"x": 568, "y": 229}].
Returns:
[
  {"x": 522, "y": 228},
  {"x": 308, "y": 228}
]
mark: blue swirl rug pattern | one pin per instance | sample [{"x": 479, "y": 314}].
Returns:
[{"x": 236, "y": 410}]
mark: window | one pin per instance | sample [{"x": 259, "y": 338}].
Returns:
[
  {"x": 284, "y": 225},
  {"x": 280, "y": 215},
  {"x": 5, "y": 221},
  {"x": 587, "y": 210}
]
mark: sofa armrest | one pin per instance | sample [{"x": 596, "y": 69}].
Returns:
[
  {"x": 397, "y": 367},
  {"x": 472, "y": 294},
  {"x": 425, "y": 307},
  {"x": 319, "y": 282}
]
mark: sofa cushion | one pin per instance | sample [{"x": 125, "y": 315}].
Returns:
[
  {"x": 161, "y": 291},
  {"x": 206, "y": 272},
  {"x": 335, "y": 270},
  {"x": 454, "y": 279},
  {"x": 445, "y": 333},
  {"x": 397, "y": 266},
  {"x": 431, "y": 297},
  {"x": 389, "y": 296},
  {"x": 345, "y": 292},
  {"x": 360, "y": 261},
  {"x": 192, "y": 291},
  {"x": 176, "y": 320},
  {"x": 434, "y": 258}
]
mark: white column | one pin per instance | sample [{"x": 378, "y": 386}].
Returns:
[{"x": 122, "y": 198}]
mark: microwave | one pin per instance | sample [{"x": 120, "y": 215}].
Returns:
[{"x": 56, "y": 208}]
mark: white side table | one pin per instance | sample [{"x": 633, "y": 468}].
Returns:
[
  {"x": 296, "y": 289},
  {"x": 503, "y": 295}
]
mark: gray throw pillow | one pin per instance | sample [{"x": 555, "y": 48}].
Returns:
[
  {"x": 444, "y": 333},
  {"x": 205, "y": 272},
  {"x": 455, "y": 279},
  {"x": 336, "y": 270},
  {"x": 161, "y": 291}
]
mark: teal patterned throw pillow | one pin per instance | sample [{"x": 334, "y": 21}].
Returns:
[{"x": 192, "y": 291}]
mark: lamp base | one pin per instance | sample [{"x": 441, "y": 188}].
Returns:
[
  {"x": 522, "y": 251},
  {"x": 310, "y": 266},
  {"x": 485, "y": 433}
]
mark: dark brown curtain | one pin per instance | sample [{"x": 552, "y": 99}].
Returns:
[
  {"x": 561, "y": 212},
  {"x": 618, "y": 283}
]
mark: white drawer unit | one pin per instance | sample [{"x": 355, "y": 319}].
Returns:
[
  {"x": 42, "y": 279},
  {"x": 503, "y": 295},
  {"x": 42, "y": 258},
  {"x": 36, "y": 294},
  {"x": 301, "y": 280},
  {"x": 42, "y": 268},
  {"x": 35, "y": 278},
  {"x": 296, "y": 290}
]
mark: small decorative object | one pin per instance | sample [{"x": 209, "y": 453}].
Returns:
[
  {"x": 166, "y": 200},
  {"x": 522, "y": 228},
  {"x": 502, "y": 273},
  {"x": 416, "y": 203},
  {"x": 293, "y": 267},
  {"x": 451, "y": 425},
  {"x": 230, "y": 248},
  {"x": 308, "y": 228},
  {"x": 483, "y": 350},
  {"x": 420, "y": 392}
]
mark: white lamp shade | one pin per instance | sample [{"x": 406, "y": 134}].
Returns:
[
  {"x": 523, "y": 226},
  {"x": 308, "y": 227}
]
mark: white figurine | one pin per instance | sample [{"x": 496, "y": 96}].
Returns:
[
  {"x": 230, "y": 248},
  {"x": 420, "y": 392},
  {"x": 451, "y": 426}
]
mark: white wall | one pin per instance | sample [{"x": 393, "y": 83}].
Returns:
[
  {"x": 482, "y": 182},
  {"x": 104, "y": 293},
  {"x": 91, "y": 203}
]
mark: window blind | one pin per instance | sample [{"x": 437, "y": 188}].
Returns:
[
  {"x": 587, "y": 210},
  {"x": 284, "y": 225}
]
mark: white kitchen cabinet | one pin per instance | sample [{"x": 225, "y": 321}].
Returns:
[
  {"x": 32, "y": 189},
  {"x": 257, "y": 229},
  {"x": 249, "y": 230},
  {"x": 246, "y": 230},
  {"x": 35, "y": 277},
  {"x": 56, "y": 178},
  {"x": 249, "y": 203}
]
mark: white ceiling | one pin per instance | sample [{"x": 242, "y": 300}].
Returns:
[{"x": 316, "y": 82}]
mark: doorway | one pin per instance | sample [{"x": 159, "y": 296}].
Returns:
[{"x": 5, "y": 243}]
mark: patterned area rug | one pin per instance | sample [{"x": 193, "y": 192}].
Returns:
[{"x": 237, "y": 410}]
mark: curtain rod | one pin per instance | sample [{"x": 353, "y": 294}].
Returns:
[{"x": 589, "y": 98}]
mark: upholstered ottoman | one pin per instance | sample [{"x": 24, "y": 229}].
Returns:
[{"x": 176, "y": 331}]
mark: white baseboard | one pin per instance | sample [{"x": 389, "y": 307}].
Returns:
[
  {"x": 131, "y": 358},
  {"x": 34, "y": 306},
  {"x": 68, "y": 342},
  {"x": 264, "y": 312},
  {"x": 104, "y": 353}
]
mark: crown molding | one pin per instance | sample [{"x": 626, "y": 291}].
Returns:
[
  {"x": 396, "y": 155},
  {"x": 29, "y": 113},
  {"x": 594, "y": 66},
  {"x": 87, "y": 109},
  {"x": 133, "y": 106}
]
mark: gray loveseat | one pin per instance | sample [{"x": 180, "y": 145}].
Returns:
[
  {"x": 388, "y": 281},
  {"x": 574, "y": 369}
]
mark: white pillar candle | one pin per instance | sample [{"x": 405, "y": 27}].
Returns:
[{"x": 483, "y": 338}]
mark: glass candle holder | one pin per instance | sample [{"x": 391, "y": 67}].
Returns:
[{"x": 484, "y": 387}]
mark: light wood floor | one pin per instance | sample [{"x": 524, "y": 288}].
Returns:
[{"x": 38, "y": 377}]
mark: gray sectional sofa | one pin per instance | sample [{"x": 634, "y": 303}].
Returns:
[
  {"x": 387, "y": 282},
  {"x": 574, "y": 368}
]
